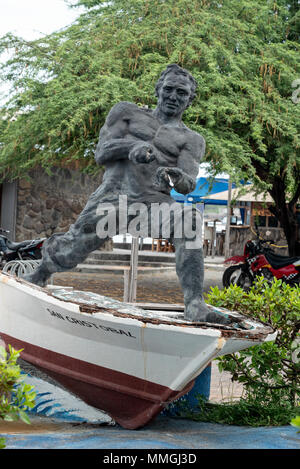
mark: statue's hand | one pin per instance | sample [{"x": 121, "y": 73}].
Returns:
[
  {"x": 168, "y": 176},
  {"x": 142, "y": 153}
]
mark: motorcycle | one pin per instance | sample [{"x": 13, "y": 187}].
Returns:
[
  {"x": 24, "y": 250},
  {"x": 260, "y": 260}
]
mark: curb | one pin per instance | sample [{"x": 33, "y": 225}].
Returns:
[
  {"x": 119, "y": 270},
  {"x": 219, "y": 267}
]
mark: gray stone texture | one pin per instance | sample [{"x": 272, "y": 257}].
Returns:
[{"x": 48, "y": 204}]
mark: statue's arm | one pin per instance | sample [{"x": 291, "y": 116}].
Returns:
[
  {"x": 109, "y": 149},
  {"x": 114, "y": 141},
  {"x": 188, "y": 164}
]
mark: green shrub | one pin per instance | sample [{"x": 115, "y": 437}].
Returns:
[
  {"x": 15, "y": 395},
  {"x": 296, "y": 422},
  {"x": 270, "y": 372},
  {"x": 245, "y": 412}
]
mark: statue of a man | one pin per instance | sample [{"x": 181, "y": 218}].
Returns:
[{"x": 145, "y": 153}]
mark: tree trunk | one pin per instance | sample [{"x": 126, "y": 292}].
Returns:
[{"x": 286, "y": 214}]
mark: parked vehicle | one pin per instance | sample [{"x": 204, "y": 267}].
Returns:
[
  {"x": 260, "y": 259},
  {"x": 24, "y": 250}
]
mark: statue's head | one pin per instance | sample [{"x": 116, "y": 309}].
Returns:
[{"x": 176, "y": 70}]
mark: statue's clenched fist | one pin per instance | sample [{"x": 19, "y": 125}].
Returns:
[
  {"x": 168, "y": 176},
  {"x": 142, "y": 153}
]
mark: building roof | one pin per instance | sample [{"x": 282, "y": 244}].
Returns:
[{"x": 250, "y": 196}]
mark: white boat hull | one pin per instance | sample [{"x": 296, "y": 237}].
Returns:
[{"x": 118, "y": 358}]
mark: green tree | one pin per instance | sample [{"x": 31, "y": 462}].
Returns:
[{"x": 244, "y": 54}]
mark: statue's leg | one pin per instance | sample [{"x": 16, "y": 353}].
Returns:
[
  {"x": 60, "y": 253},
  {"x": 63, "y": 251},
  {"x": 190, "y": 271},
  {"x": 190, "y": 266}
]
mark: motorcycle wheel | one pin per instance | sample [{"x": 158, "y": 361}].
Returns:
[{"x": 234, "y": 275}]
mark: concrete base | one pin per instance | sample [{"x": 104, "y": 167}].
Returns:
[
  {"x": 163, "y": 433},
  {"x": 61, "y": 421}
]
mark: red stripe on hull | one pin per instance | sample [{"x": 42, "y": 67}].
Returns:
[{"x": 130, "y": 401}]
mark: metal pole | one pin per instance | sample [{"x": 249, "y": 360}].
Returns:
[{"x": 227, "y": 234}]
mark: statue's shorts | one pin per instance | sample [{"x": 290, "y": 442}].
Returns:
[{"x": 103, "y": 217}]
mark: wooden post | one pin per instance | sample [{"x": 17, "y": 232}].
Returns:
[
  {"x": 214, "y": 239},
  {"x": 126, "y": 286},
  {"x": 227, "y": 234},
  {"x": 133, "y": 269}
]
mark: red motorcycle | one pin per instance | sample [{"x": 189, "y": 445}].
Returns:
[{"x": 259, "y": 259}]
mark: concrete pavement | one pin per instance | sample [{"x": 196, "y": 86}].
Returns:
[
  {"x": 61, "y": 421},
  {"x": 163, "y": 433}
]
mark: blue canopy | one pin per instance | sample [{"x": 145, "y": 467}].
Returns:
[{"x": 204, "y": 188}]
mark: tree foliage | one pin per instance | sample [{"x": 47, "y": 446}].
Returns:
[{"x": 244, "y": 54}]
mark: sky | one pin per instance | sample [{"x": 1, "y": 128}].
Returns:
[{"x": 32, "y": 19}]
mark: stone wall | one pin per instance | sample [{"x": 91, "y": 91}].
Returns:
[{"x": 48, "y": 204}]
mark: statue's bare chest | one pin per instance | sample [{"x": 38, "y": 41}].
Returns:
[{"x": 168, "y": 140}]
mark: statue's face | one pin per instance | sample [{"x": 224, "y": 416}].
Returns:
[{"x": 174, "y": 95}]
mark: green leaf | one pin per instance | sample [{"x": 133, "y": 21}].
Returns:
[
  {"x": 2, "y": 443},
  {"x": 16, "y": 396},
  {"x": 24, "y": 416},
  {"x": 10, "y": 417},
  {"x": 296, "y": 422}
]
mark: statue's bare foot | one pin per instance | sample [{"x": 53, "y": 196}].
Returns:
[
  {"x": 38, "y": 277},
  {"x": 198, "y": 311}
]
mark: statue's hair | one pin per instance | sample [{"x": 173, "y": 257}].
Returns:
[{"x": 174, "y": 68}]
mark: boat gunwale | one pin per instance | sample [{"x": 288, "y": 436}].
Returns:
[{"x": 256, "y": 333}]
